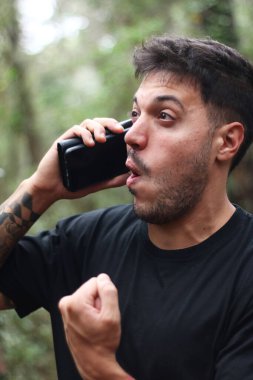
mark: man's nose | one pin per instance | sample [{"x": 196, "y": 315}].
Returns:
[{"x": 137, "y": 135}]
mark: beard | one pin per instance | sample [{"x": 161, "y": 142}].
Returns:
[{"x": 177, "y": 191}]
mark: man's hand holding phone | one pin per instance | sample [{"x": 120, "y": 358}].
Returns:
[
  {"x": 92, "y": 135},
  {"x": 99, "y": 156}
]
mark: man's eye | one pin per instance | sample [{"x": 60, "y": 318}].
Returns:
[
  {"x": 134, "y": 113},
  {"x": 166, "y": 116}
]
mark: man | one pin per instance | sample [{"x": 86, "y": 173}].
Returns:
[{"x": 180, "y": 258}]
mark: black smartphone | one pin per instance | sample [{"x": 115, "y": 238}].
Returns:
[{"x": 81, "y": 166}]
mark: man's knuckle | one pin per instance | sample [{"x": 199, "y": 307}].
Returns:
[
  {"x": 109, "y": 321},
  {"x": 64, "y": 304},
  {"x": 110, "y": 290}
]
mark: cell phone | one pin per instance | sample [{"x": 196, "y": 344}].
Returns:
[{"x": 81, "y": 166}]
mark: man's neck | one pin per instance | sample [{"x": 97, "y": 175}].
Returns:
[{"x": 191, "y": 229}]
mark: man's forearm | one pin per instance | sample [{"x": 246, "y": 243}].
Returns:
[{"x": 17, "y": 214}]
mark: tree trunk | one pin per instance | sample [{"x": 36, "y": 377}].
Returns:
[{"x": 22, "y": 120}]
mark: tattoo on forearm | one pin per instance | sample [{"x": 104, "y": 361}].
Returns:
[{"x": 15, "y": 220}]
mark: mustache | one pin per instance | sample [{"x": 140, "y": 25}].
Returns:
[{"x": 132, "y": 154}]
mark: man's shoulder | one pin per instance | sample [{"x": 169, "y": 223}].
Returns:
[
  {"x": 109, "y": 217},
  {"x": 243, "y": 220},
  {"x": 117, "y": 212},
  {"x": 243, "y": 212}
]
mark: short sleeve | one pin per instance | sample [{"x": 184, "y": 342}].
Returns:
[
  {"x": 235, "y": 359},
  {"x": 41, "y": 269}
]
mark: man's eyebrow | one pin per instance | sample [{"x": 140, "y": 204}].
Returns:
[
  {"x": 171, "y": 98},
  {"x": 164, "y": 98}
]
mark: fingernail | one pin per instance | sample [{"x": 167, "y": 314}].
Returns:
[{"x": 104, "y": 277}]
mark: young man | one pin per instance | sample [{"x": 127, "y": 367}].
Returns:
[{"x": 180, "y": 258}]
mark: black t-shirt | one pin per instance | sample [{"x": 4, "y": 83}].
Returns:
[{"x": 186, "y": 314}]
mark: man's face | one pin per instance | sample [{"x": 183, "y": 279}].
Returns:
[{"x": 169, "y": 148}]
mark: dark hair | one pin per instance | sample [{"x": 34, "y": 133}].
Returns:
[{"x": 224, "y": 77}]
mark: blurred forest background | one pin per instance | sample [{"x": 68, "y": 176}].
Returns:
[{"x": 81, "y": 69}]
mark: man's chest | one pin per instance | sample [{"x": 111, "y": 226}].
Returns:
[{"x": 171, "y": 326}]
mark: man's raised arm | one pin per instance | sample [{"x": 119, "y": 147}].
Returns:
[{"x": 37, "y": 193}]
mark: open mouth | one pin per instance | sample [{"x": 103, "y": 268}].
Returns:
[
  {"x": 132, "y": 168},
  {"x": 134, "y": 173}
]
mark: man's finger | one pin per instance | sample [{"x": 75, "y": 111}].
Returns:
[
  {"x": 85, "y": 295},
  {"x": 109, "y": 297}
]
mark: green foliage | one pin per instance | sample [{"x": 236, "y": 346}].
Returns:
[
  {"x": 215, "y": 19},
  {"x": 26, "y": 347}
]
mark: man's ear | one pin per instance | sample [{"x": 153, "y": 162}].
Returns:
[{"x": 230, "y": 137}]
